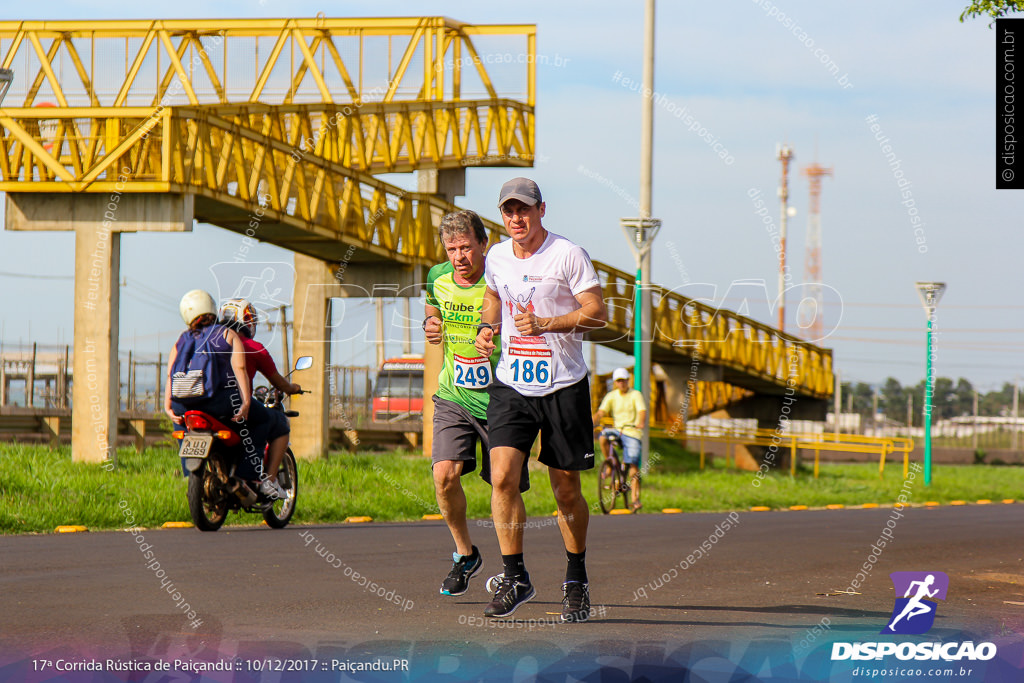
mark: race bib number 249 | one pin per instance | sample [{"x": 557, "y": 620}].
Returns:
[{"x": 472, "y": 373}]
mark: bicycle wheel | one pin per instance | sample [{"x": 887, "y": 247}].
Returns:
[
  {"x": 626, "y": 487},
  {"x": 608, "y": 484}
]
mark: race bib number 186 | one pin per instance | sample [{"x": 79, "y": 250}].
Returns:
[
  {"x": 530, "y": 367},
  {"x": 472, "y": 373}
]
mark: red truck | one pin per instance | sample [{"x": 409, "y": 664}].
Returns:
[{"x": 398, "y": 392}]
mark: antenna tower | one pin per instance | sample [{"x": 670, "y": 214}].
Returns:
[
  {"x": 811, "y": 321},
  {"x": 784, "y": 154}
]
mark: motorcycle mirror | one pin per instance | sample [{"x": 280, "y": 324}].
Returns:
[{"x": 304, "y": 362}]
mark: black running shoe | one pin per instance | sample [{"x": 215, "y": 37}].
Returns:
[
  {"x": 575, "y": 601},
  {"x": 508, "y": 596},
  {"x": 463, "y": 569}
]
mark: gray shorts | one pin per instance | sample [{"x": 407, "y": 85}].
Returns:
[{"x": 456, "y": 432}]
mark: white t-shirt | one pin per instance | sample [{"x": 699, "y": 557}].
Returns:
[{"x": 547, "y": 284}]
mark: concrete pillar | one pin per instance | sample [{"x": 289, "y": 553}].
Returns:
[
  {"x": 314, "y": 285},
  {"x": 94, "y": 392},
  {"x": 98, "y": 219},
  {"x": 433, "y": 360},
  {"x": 679, "y": 394},
  {"x": 772, "y": 413},
  {"x": 447, "y": 184}
]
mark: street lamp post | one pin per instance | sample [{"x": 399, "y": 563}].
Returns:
[
  {"x": 641, "y": 232},
  {"x": 930, "y": 293}
]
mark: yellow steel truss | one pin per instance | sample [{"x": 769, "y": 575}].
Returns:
[
  {"x": 704, "y": 398},
  {"x": 378, "y": 138},
  {"x": 717, "y": 337},
  {"x": 274, "y": 61},
  {"x": 399, "y": 137},
  {"x": 293, "y": 116},
  {"x": 183, "y": 149}
]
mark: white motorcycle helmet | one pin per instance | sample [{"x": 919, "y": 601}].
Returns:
[{"x": 194, "y": 304}]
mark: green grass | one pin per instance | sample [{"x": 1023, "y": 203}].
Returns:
[{"x": 42, "y": 489}]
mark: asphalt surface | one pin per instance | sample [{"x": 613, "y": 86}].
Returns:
[{"x": 297, "y": 593}]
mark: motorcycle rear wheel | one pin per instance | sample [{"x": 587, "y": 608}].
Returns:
[
  {"x": 202, "y": 486},
  {"x": 280, "y": 513}
]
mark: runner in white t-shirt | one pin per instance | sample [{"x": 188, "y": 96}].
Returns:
[{"x": 545, "y": 292}]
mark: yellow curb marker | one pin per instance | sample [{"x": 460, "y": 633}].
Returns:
[
  {"x": 835, "y": 506},
  {"x": 671, "y": 511},
  {"x": 797, "y": 507},
  {"x": 957, "y": 502},
  {"x": 621, "y": 512},
  {"x": 984, "y": 501},
  {"x": 1007, "y": 501},
  {"x": 760, "y": 508},
  {"x": 70, "y": 529},
  {"x": 176, "y": 525},
  {"x": 358, "y": 520},
  {"x": 869, "y": 506},
  {"x": 433, "y": 517},
  {"x": 931, "y": 504}
]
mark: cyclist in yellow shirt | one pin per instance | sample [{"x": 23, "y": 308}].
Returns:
[{"x": 626, "y": 408}]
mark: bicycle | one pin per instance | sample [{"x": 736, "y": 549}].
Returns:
[{"x": 613, "y": 480}]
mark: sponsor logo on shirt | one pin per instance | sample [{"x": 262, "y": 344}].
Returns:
[{"x": 517, "y": 301}]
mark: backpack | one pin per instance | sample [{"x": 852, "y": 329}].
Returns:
[{"x": 197, "y": 372}]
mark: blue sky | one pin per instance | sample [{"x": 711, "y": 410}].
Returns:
[{"x": 751, "y": 82}]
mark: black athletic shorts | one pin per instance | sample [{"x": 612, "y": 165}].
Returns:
[{"x": 563, "y": 419}]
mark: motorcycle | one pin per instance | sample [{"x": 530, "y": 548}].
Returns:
[{"x": 211, "y": 450}]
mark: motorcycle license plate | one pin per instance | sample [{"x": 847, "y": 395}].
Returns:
[{"x": 195, "y": 446}]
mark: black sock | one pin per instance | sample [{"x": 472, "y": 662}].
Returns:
[
  {"x": 514, "y": 566},
  {"x": 576, "y": 570}
]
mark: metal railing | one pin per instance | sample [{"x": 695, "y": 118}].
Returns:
[{"x": 817, "y": 442}]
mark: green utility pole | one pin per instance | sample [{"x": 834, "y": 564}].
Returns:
[
  {"x": 638, "y": 318},
  {"x": 930, "y": 293},
  {"x": 641, "y": 231}
]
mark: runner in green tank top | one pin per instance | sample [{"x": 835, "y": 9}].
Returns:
[
  {"x": 455, "y": 292},
  {"x": 466, "y": 375}
]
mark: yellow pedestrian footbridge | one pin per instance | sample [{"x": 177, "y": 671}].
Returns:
[{"x": 293, "y": 121}]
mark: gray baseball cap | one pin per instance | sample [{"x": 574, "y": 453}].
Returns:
[{"x": 523, "y": 189}]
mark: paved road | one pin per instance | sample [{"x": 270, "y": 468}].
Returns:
[{"x": 754, "y": 597}]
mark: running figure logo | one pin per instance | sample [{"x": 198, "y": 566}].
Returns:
[
  {"x": 913, "y": 613},
  {"x": 524, "y": 300}
]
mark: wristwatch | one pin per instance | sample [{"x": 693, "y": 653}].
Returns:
[
  {"x": 424, "y": 325},
  {"x": 482, "y": 326}
]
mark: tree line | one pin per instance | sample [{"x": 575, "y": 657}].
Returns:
[{"x": 949, "y": 399}]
